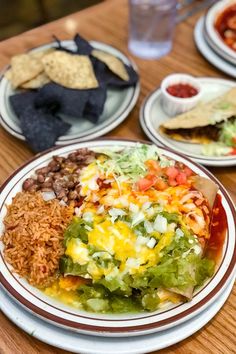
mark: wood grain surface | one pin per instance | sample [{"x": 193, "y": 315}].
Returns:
[{"x": 108, "y": 22}]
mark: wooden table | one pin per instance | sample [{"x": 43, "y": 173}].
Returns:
[{"x": 107, "y": 22}]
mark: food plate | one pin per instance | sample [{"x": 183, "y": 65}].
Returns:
[
  {"x": 80, "y": 343},
  {"x": 216, "y": 60},
  {"x": 152, "y": 115},
  {"x": 212, "y": 37},
  {"x": 118, "y": 104},
  {"x": 64, "y": 316}
]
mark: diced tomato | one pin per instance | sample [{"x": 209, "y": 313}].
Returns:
[
  {"x": 232, "y": 152},
  {"x": 153, "y": 166},
  {"x": 172, "y": 172},
  {"x": 160, "y": 184},
  {"x": 234, "y": 140},
  {"x": 181, "y": 178},
  {"x": 172, "y": 182},
  {"x": 146, "y": 182},
  {"x": 188, "y": 171}
]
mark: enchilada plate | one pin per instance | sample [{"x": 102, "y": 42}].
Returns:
[{"x": 58, "y": 314}]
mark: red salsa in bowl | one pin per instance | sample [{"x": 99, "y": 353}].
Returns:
[{"x": 182, "y": 90}]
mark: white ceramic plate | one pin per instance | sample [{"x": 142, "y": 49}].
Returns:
[
  {"x": 82, "y": 344},
  {"x": 114, "y": 325},
  {"x": 208, "y": 52},
  {"x": 118, "y": 105},
  {"x": 212, "y": 36},
  {"x": 152, "y": 116}
]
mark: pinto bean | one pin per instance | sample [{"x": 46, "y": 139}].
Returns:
[
  {"x": 43, "y": 170},
  {"x": 47, "y": 184},
  {"x": 41, "y": 178},
  {"x": 33, "y": 188},
  {"x": 61, "y": 175},
  {"x": 28, "y": 183}
]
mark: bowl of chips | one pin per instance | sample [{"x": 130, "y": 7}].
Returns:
[{"x": 67, "y": 91}]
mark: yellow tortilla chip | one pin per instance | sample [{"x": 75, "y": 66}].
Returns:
[
  {"x": 8, "y": 74},
  {"x": 37, "y": 82},
  {"x": 113, "y": 63},
  {"x": 71, "y": 71},
  {"x": 25, "y": 67}
]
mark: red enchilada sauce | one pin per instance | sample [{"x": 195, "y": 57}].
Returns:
[
  {"x": 218, "y": 230},
  {"x": 226, "y": 26}
]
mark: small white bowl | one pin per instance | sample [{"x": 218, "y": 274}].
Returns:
[{"x": 173, "y": 105}]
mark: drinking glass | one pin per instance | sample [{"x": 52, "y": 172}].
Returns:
[{"x": 151, "y": 27}]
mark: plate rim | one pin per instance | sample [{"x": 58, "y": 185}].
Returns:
[
  {"x": 131, "y": 330},
  {"x": 144, "y": 118},
  {"x": 95, "y": 133},
  {"x": 208, "y": 53}
]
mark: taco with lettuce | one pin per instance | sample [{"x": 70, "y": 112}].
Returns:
[{"x": 212, "y": 123}]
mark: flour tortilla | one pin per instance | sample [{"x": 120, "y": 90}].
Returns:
[
  {"x": 217, "y": 110},
  {"x": 207, "y": 187}
]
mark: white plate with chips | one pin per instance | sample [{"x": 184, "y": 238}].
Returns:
[{"x": 117, "y": 106}]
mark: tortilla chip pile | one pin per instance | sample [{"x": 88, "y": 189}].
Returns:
[{"x": 63, "y": 82}]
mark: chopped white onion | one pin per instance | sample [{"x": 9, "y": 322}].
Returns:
[
  {"x": 88, "y": 216},
  {"x": 146, "y": 205},
  {"x": 116, "y": 212},
  {"x": 134, "y": 208},
  {"x": 138, "y": 218},
  {"x": 48, "y": 196},
  {"x": 148, "y": 226},
  {"x": 179, "y": 232},
  {"x": 160, "y": 224},
  {"x": 151, "y": 243}
]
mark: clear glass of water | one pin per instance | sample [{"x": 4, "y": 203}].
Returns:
[{"x": 151, "y": 27}]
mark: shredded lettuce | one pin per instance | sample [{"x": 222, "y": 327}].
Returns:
[
  {"x": 130, "y": 162},
  {"x": 226, "y": 141},
  {"x": 216, "y": 149},
  {"x": 77, "y": 229},
  {"x": 228, "y": 132}
]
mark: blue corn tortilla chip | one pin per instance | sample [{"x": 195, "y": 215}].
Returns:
[
  {"x": 61, "y": 47},
  {"x": 66, "y": 101},
  {"x": 106, "y": 77},
  {"x": 20, "y": 101},
  {"x": 83, "y": 46},
  {"x": 95, "y": 104},
  {"x": 41, "y": 129}
]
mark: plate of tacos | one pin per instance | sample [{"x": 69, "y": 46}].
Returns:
[{"x": 206, "y": 133}]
